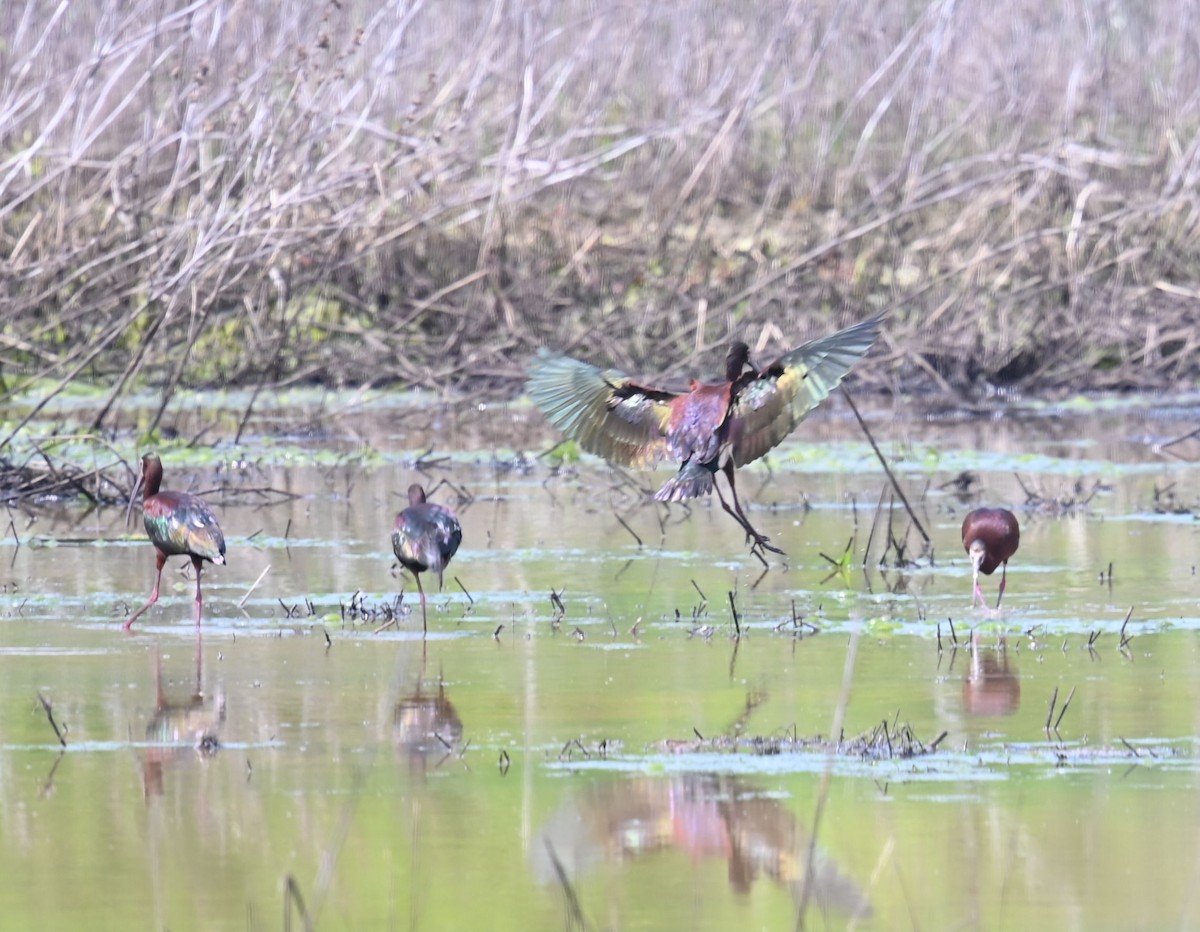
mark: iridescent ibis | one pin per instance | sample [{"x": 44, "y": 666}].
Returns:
[
  {"x": 710, "y": 427},
  {"x": 178, "y": 524},
  {"x": 990, "y": 536},
  {"x": 425, "y": 537}
]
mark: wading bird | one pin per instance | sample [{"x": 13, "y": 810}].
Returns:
[
  {"x": 178, "y": 524},
  {"x": 426, "y": 536},
  {"x": 990, "y": 536},
  {"x": 711, "y": 426}
]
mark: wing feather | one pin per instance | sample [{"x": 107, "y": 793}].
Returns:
[
  {"x": 769, "y": 407},
  {"x": 604, "y": 411}
]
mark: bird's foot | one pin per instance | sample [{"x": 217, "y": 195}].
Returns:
[{"x": 760, "y": 543}]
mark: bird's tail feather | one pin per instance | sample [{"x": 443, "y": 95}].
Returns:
[{"x": 692, "y": 481}]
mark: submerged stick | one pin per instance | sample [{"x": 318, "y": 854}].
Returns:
[
  {"x": 464, "y": 589},
  {"x": 1066, "y": 705},
  {"x": 1125, "y": 640},
  {"x": 50, "y": 718},
  {"x": 1159, "y": 447},
  {"x": 48, "y": 783},
  {"x": 1050, "y": 714},
  {"x": 254, "y": 585},
  {"x": 577, "y": 918},
  {"x": 874, "y": 524},
  {"x": 291, "y": 894}
]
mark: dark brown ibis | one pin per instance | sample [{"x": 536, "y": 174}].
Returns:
[
  {"x": 990, "y": 536},
  {"x": 178, "y": 524},
  {"x": 709, "y": 427},
  {"x": 425, "y": 537}
]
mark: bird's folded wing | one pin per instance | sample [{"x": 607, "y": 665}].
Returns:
[
  {"x": 769, "y": 407},
  {"x": 603, "y": 410}
]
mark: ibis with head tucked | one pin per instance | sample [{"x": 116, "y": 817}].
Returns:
[
  {"x": 710, "y": 428},
  {"x": 178, "y": 524},
  {"x": 990, "y": 536},
  {"x": 426, "y": 537}
]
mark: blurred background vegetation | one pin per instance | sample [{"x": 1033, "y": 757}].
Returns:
[{"x": 417, "y": 193}]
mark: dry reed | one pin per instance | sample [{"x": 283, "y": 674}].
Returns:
[{"x": 204, "y": 193}]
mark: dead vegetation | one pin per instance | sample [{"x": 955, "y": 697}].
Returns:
[
  {"x": 886, "y": 741},
  {"x": 349, "y": 193}
]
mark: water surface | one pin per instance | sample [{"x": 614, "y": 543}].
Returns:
[{"x": 614, "y": 755}]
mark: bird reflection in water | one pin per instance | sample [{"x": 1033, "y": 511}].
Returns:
[
  {"x": 181, "y": 730},
  {"x": 991, "y": 687},
  {"x": 704, "y": 815},
  {"x": 425, "y": 725}
]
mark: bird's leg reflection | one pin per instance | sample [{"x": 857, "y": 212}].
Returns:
[
  {"x": 180, "y": 730},
  {"x": 991, "y": 687}
]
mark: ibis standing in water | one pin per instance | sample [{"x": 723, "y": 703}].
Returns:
[
  {"x": 990, "y": 536},
  {"x": 709, "y": 428},
  {"x": 425, "y": 537},
  {"x": 178, "y": 524}
]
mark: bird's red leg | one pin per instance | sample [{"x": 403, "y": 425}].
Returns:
[
  {"x": 1003, "y": 580},
  {"x": 160, "y": 559},
  {"x": 198, "y": 564},
  {"x": 421, "y": 589},
  {"x": 759, "y": 541}
]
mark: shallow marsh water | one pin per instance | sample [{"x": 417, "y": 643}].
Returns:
[{"x": 517, "y": 771}]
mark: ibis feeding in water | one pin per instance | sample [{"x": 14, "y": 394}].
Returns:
[
  {"x": 178, "y": 524},
  {"x": 711, "y": 427},
  {"x": 425, "y": 537},
  {"x": 990, "y": 536}
]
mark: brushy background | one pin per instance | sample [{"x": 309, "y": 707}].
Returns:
[{"x": 420, "y": 192}]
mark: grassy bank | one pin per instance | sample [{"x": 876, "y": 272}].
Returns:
[{"x": 420, "y": 193}]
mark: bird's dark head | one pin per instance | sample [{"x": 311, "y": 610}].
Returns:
[
  {"x": 735, "y": 361},
  {"x": 416, "y": 494},
  {"x": 151, "y": 474}
]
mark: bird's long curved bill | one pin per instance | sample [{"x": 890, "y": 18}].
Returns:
[{"x": 137, "y": 487}]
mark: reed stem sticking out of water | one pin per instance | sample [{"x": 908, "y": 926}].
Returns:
[
  {"x": 836, "y": 728},
  {"x": 49, "y": 710}
]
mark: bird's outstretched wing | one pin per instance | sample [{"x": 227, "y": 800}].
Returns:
[
  {"x": 768, "y": 407},
  {"x": 603, "y": 410}
]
